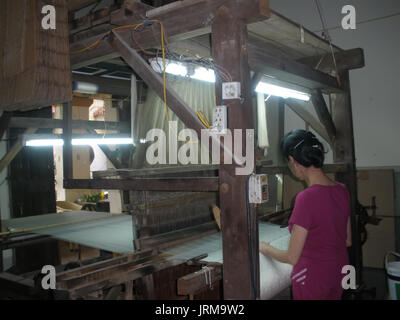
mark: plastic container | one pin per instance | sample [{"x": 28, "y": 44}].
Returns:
[{"x": 393, "y": 276}]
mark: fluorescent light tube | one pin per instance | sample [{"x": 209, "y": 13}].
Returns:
[
  {"x": 37, "y": 142},
  {"x": 44, "y": 143},
  {"x": 102, "y": 141},
  {"x": 274, "y": 90}
]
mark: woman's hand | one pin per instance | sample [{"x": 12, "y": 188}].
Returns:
[{"x": 264, "y": 248}]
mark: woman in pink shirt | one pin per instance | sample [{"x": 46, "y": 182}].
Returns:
[{"x": 319, "y": 225}]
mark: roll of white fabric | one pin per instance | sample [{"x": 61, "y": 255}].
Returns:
[{"x": 274, "y": 275}]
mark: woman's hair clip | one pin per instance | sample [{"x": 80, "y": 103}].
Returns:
[{"x": 298, "y": 144}]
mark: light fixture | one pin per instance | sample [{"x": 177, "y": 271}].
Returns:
[
  {"x": 44, "y": 142},
  {"x": 179, "y": 69},
  {"x": 102, "y": 141},
  {"x": 56, "y": 140},
  {"x": 84, "y": 87},
  {"x": 283, "y": 92}
]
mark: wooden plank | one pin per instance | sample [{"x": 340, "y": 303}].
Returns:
[
  {"x": 323, "y": 114},
  {"x": 114, "y": 274},
  {"x": 169, "y": 239},
  {"x": 45, "y": 123},
  {"x": 15, "y": 149},
  {"x": 169, "y": 171},
  {"x": 304, "y": 114},
  {"x": 91, "y": 266},
  {"x": 146, "y": 184},
  {"x": 345, "y": 60},
  {"x": 196, "y": 281}
]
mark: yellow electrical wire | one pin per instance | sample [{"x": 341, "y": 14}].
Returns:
[
  {"x": 203, "y": 119},
  {"x": 87, "y": 48}
]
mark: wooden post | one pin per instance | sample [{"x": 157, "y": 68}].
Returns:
[
  {"x": 67, "y": 136},
  {"x": 4, "y": 123},
  {"x": 240, "y": 239},
  {"x": 344, "y": 153}
]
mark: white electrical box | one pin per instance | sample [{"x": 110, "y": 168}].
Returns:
[
  {"x": 258, "y": 188},
  {"x": 231, "y": 90},
  {"x": 220, "y": 120}
]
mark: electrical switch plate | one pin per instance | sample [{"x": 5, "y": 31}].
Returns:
[
  {"x": 220, "y": 119},
  {"x": 231, "y": 90},
  {"x": 258, "y": 188}
]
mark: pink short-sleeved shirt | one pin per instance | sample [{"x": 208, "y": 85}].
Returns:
[{"x": 323, "y": 211}]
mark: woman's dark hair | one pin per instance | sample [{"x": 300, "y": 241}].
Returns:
[{"x": 304, "y": 147}]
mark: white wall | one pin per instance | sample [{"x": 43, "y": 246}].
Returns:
[{"x": 375, "y": 88}]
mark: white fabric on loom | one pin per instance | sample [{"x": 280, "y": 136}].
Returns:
[
  {"x": 115, "y": 234},
  {"x": 274, "y": 275}
]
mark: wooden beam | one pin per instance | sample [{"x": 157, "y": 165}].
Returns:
[
  {"x": 67, "y": 136},
  {"x": 15, "y": 149},
  {"x": 345, "y": 60},
  {"x": 265, "y": 58},
  {"x": 239, "y": 223},
  {"x": 301, "y": 110},
  {"x": 45, "y": 123},
  {"x": 4, "y": 123},
  {"x": 154, "y": 81},
  {"x": 328, "y": 168},
  {"x": 323, "y": 114},
  {"x": 146, "y": 184}
]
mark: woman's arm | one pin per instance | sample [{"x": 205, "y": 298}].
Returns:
[{"x": 296, "y": 245}]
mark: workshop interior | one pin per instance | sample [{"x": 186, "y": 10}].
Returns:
[{"x": 119, "y": 129}]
